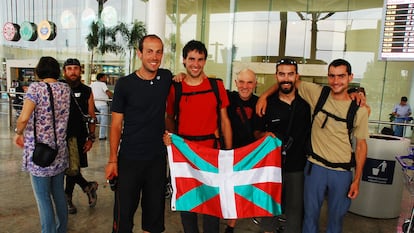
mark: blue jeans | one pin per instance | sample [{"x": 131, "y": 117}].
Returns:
[
  {"x": 399, "y": 129},
  {"x": 103, "y": 120},
  {"x": 321, "y": 182},
  {"x": 49, "y": 194}
]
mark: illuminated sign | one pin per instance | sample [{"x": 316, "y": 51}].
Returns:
[
  {"x": 11, "y": 31},
  {"x": 46, "y": 30},
  {"x": 28, "y": 31},
  {"x": 397, "y": 35}
]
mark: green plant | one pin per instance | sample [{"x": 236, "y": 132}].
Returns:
[{"x": 117, "y": 39}]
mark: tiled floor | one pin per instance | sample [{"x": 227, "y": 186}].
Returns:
[{"x": 19, "y": 212}]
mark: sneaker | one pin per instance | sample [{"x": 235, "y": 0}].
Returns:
[
  {"x": 71, "y": 207},
  {"x": 91, "y": 192}
]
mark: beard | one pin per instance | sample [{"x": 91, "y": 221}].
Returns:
[
  {"x": 286, "y": 90},
  {"x": 73, "y": 83}
]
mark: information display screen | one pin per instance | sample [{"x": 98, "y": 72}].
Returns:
[{"x": 397, "y": 35}]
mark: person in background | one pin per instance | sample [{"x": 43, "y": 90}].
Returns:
[
  {"x": 47, "y": 182},
  {"x": 241, "y": 111},
  {"x": 197, "y": 118},
  {"x": 102, "y": 94},
  {"x": 138, "y": 157},
  {"x": 81, "y": 126},
  {"x": 401, "y": 112},
  {"x": 287, "y": 118},
  {"x": 18, "y": 99}
]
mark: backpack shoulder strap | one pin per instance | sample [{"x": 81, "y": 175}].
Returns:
[
  {"x": 353, "y": 108},
  {"x": 321, "y": 101},
  {"x": 214, "y": 87},
  {"x": 178, "y": 88}
]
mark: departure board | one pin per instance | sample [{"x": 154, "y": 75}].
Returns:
[{"x": 397, "y": 35}]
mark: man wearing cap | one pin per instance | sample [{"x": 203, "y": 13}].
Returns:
[
  {"x": 288, "y": 118},
  {"x": 82, "y": 113},
  {"x": 401, "y": 112}
]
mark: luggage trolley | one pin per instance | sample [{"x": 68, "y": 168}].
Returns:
[{"x": 407, "y": 164}]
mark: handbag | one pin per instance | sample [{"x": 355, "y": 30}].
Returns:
[
  {"x": 43, "y": 154},
  {"x": 74, "y": 163}
]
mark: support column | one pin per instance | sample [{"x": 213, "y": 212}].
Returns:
[{"x": 156, "y": 16}]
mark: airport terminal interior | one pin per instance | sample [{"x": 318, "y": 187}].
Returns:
[
  {"x": 19, "y": 210},
  {"x": 375, "y": 36}
]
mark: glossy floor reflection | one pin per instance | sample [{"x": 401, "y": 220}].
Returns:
[{"x": 19, "y": 212}]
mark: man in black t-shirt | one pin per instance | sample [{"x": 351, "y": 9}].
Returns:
[
  {"x": 137, "y": 152},
  {"x": 241, "y": 111},
  {"x": 288, "y": 118}
]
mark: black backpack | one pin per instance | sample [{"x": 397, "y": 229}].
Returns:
[
  {"x": 214, "y": 88},
  {"x": 353, "y": 108}
]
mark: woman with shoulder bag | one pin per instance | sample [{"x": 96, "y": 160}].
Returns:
[{"x": 43, "y": 120}]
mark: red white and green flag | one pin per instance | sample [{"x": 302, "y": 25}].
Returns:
[{"x": 241, "y": 183}]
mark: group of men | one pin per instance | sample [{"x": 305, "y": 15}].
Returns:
[{"x": 147, "y": 105}]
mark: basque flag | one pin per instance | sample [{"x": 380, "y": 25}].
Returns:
[{"x": 241, "y": 183}]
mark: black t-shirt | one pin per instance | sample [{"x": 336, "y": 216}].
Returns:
[
  {"x": 76, "y": 125},
  {"x": 276, "y": 120},
  {"x": 142, "y": 103},
  {"x": 242, "y": 128}
]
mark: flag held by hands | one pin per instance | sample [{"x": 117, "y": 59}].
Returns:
[{"x": 241, "y": 183}]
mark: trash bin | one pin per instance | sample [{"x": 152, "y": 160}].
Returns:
[{"x": 381, "y": 187}]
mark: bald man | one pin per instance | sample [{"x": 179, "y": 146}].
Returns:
[{"x": 241, "y": 111}]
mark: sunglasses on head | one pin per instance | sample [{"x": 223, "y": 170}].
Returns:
[{"x": 286, "y": 62}]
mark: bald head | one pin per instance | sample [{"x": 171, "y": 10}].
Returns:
[{"x": 246, "y": 83}]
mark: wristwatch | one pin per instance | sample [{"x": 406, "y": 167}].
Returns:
[
  {"x": 18, "y": 132},
  {"x": 92, "y": 120},
  {"x": 91, "y": 137}
]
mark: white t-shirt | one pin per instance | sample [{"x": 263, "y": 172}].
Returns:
[{"x": 99, "y": 93}]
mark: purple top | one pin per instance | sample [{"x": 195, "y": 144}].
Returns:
[{"x": 38, "y": 94}]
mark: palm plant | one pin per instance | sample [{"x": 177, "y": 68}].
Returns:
[
  {"x": 138, "y": 31},
  {"x": 92, "y": 40},
  {"x": 116, "y": 39}
]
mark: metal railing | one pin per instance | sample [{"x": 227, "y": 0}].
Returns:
[{"x": 7, "y": 107}]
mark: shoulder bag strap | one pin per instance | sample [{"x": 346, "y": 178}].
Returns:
[
  {"x": 52, "y": 107},
  {"x": 77, "y": 104}
]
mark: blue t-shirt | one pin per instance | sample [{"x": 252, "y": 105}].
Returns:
[{"x": 402, "y": 111}]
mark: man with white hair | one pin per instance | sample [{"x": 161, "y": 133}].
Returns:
[{"x": 241, "y": 111}]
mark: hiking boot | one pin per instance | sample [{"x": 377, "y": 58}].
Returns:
[
  {"x": 71, "y": 207},
  {"x": 90, "y": 190}
]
